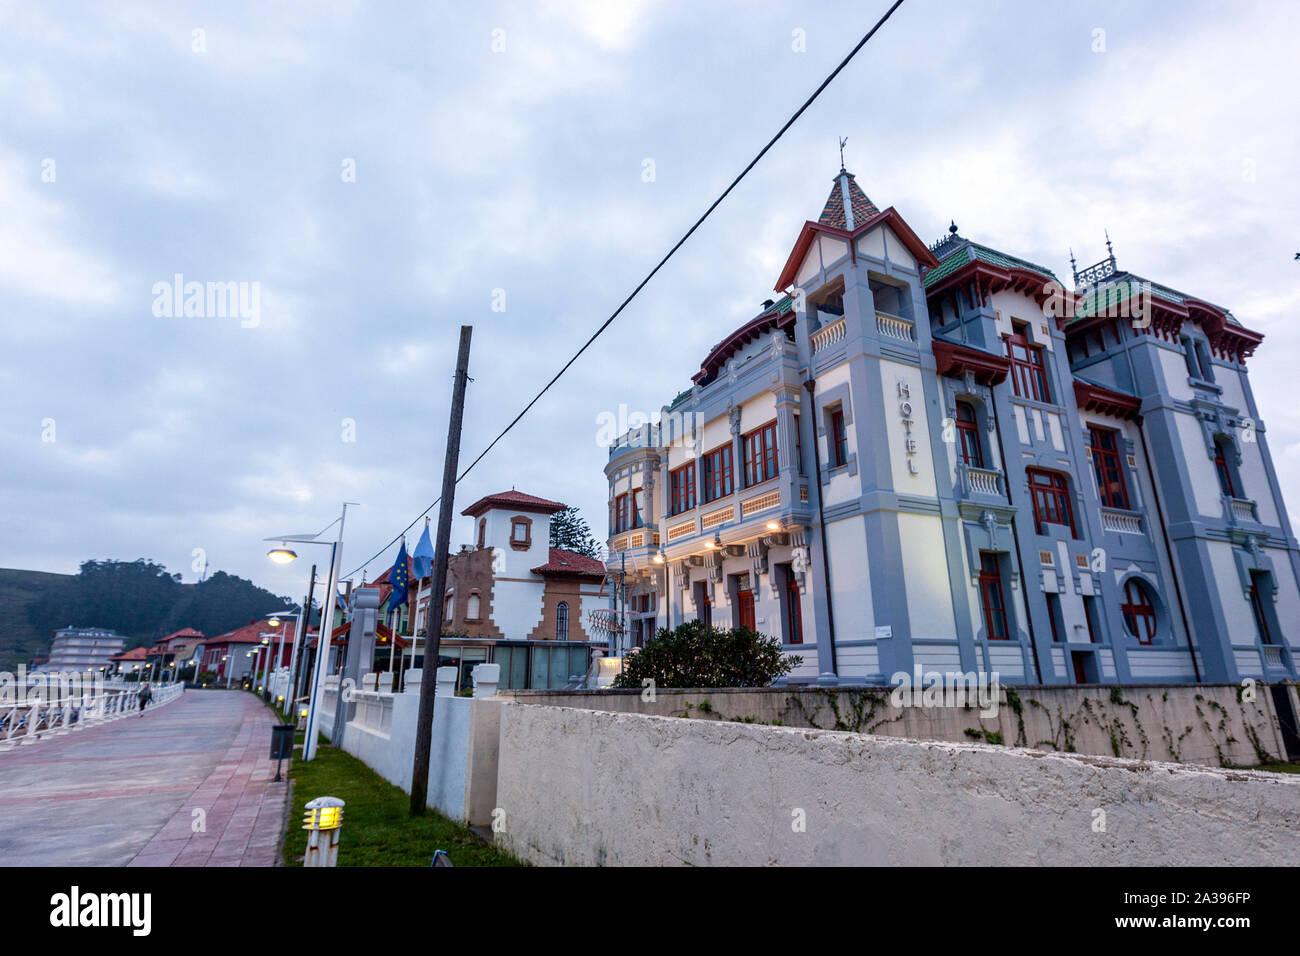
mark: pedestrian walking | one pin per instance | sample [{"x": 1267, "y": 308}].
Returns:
[{"x": 146, "y": 695}]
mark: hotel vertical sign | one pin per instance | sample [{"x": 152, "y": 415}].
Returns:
[{"x": 905, "y": 410}]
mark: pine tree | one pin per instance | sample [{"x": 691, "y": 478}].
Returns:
[{"x": 570, "y": 531}]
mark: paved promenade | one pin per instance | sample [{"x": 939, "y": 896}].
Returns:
[{"x": 125, "y": 793}]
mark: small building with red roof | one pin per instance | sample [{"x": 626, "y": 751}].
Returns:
[
  {"x": 512, "y": 598},
  {"x": 234, "y": 654},
  {"x": 134, "y": 661}
]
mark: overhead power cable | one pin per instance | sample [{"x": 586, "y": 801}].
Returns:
[{"x": 651, "y": 274}]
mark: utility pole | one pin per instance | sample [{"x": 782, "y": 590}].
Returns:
[{"x": 429, "y": 682}]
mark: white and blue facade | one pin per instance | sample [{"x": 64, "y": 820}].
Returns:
[{"x": 939, "y": 457}]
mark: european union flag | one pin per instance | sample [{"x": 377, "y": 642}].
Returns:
[
  {"x": 398, "y": 578},
  {"x": 422, "y": 559}
]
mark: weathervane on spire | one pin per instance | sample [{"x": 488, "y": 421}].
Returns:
[{"x": 843, "y": 140}]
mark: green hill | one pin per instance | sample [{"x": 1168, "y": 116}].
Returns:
[
  {"x": 20, "y": 641},
  {"x": 138, "y": 599}
]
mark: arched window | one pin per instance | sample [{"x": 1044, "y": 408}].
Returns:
[
  {"x": 1139, "y": 611},
  {"x": 562, "y": 621},
  {"x": 447, "y": 604},
  {"x": 969, "y": 436},
  {"x": 472, "y": 612},
  {"x": 1051, "y": 497},
  {"x": 482, "y": 532}
]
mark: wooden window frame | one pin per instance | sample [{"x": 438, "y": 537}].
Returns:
[
  {"x": 1113, "y": 493},
  {"x": 681, "y": 488},
  {"x": 793, "y": 609},
  {"x": 1054, "y": 489},
  {"x": 519, "y": 521},
  {"x": 620, "y": 514},
  {"x": 1139, "y": 609},
  {"x": 968, "y": 436},
  {"x": 1029, "y": 374},
  {"x": 719, "y": 478},
  {"x": 839, "y": 435},
  {"x": 761, "y": 462},
  {"x": 990, "y": 579},
  {"x": 1260, "y": 612},
  {"x": 634, "y": 514},
  {"x": 1227, "y": 481}
]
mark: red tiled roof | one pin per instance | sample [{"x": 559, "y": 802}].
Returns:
[
  {"x": 570, "y": 562},
  {"x": 516, "y": 500},
  {"x": 252, "y": 633},
  {"x": 134, "y": 654},
  {"x": 183, "y": 632}
]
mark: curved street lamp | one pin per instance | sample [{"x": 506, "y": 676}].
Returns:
[{"x": 283, "y": 555}]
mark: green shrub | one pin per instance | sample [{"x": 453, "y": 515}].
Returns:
[{"x": 693, "y": 655}]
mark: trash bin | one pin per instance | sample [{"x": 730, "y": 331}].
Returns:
[
  {"x": 281, "y": 745},
  {"x": 282, "y": 741}
]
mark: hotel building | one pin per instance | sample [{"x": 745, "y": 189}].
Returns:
[{"x": 937, "y": 456}]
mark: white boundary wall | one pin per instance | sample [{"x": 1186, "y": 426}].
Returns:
[
  {"x": 583, "y": 787},
  {"x": 462, "y": 753}
]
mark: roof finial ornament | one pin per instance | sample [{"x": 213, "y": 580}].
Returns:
[
  {"x": 1110, "y": 253},
  {"x": 1074, "y": 267},
  {"x": 952, "y": 229},
  {"x": 843, "y": 140}
]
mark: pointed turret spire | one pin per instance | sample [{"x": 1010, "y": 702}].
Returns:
[{"x": 847, "y": 207}]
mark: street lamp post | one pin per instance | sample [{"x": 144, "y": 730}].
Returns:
[
  {"x": 283, "y": 555},
  {"x": 266, "y": 663}
]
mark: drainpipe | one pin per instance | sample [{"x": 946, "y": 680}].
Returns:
[
  {"x": 1015, "y": 536},
  {"x": 811, "y": 386}
]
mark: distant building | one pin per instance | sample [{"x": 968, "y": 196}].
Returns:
[
  {"x": 133, "y": 662},
  {"x": 176, "y": 649},
  {"x": 83, "y": 648},
  {"x": 235, "y": 654}
]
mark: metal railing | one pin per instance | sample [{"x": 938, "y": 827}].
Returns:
[{"x": 24, "y": 721}]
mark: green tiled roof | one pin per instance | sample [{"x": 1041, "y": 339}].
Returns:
[
  {"x": 1126, "y": 288},
  {"x": 1110, "y": 296},
  {"x": 972, "y": 251}
]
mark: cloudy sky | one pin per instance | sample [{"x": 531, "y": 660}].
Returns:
[{"x": 382, "y": 173}]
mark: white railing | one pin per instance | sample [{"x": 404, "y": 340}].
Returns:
[
  {"x": 985, "y": 481},
  {"x": 894, "y": 327},
  {"x": 1273, "y": 657},
  {"x": 373, "y": 711},
  {"x": 828, "y": 335},
  {"x": 26, "y": 719},
  {"x": 1243, "y": 509},
  {"x": 1122, "y": 522}
]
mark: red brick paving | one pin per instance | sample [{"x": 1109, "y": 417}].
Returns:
[{"x": 245, "y": 810}]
